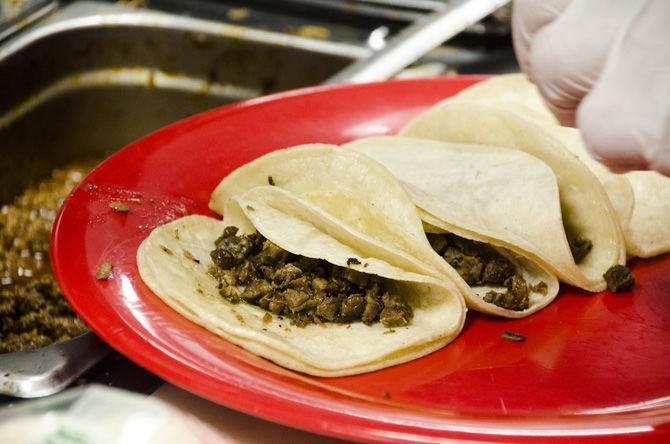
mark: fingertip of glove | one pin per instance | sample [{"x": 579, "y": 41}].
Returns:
[
  {"x": 528, "y": 18},
  {"x": 609, "y": 141}
]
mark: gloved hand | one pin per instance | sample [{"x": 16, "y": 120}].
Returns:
[{"x": 603, "y": 65}]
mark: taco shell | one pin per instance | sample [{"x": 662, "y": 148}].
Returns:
[
  {"x": 174, "y": 260},
  {"x": 351, "y": 190},
  {"x": 585, "y": 207},
  {"x": 641, "y": 198}
]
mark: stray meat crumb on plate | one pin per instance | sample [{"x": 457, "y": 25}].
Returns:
[
  {"x": 512, "y": 336},
  {"x": 104, "y": 271},
  {"x": 119, "y": 207}
]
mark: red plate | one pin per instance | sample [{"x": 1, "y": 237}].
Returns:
[{"x": 593, "y": 367}]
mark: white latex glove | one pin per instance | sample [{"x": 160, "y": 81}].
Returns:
[{"x": 603, "y": 65}]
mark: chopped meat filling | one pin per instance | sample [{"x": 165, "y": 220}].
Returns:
[
  {"x": 480, "y": 264},
  {"x": 619, "y": 278},
  {"x": 36, "y": 315},
  {"x": 252, "y": 269},
  {"x": 580, "y": 246},
  {"x": 33, "y": 310},
  {"x": 516, "y": 296}
]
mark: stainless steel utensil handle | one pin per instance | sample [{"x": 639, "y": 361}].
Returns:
[
  {"x": 416, "y": 40},
  {"x": 50, "y": 369}
]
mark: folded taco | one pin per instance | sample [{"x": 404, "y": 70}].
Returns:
[
  {"x": 480, "y": 193},
  {"x": 284, "y": 289},
  {"x": 589, "y": 219},
  {"x": 359, "y": 193},
  {"x": 641, "y": 198}
]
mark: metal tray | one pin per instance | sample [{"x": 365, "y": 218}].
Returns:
[{"x": 92, "y": 77}]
